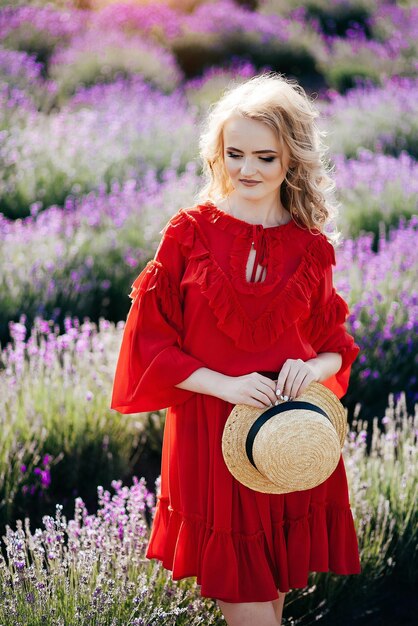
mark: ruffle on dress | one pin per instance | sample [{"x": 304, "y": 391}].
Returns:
[
  {"x": 326, "y": 332},
  {"x": 329, "y": 315},
  {"x": 155, "y": 278},
  {"x": 230, "y": 566},
  {"x": 151, "y": 359},
  {"x": 291, "y": 302},
  {"x": 275, "y": 239}
]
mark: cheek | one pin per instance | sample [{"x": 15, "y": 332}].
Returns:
[
  {"x": 275, "y": 173},
  {"x": 231, "y": 166}
]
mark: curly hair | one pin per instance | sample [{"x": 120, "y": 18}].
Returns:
[{"x": 307, "y": 191}]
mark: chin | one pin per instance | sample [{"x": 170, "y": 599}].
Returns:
[{"x": 249, "y": 191}]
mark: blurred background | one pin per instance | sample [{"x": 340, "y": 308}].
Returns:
[{"x": 100, "y": 109}]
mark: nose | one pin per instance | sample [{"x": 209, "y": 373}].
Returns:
[{"x": 247, "y": 168}]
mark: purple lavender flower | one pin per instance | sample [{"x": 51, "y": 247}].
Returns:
[
  {"x": 46, "y": 459},
  {"x": 226, "y": 17},
  {"x": 155, "y": 20},
  {"x": 57, "y": 23},
  {"x": 384, "y": 118},
  {"x": 384, "y": 308}
]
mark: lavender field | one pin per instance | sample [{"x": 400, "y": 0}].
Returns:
[{"x": 100, "y": 106}]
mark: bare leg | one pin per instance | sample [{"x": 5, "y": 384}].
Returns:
[
  {"x": 249, "y": 613},
  {"x": 278, "y": 606}
]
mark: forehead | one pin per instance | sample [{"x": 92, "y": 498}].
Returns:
[{"x": 249, "y": 133}]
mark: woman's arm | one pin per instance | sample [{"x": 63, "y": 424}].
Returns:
[
  {"x": 253, "y": 389},
  {"x": 326, "y": 364},
  {"x": 203, "y": 380},
  {"x": 258, "y": 390}
]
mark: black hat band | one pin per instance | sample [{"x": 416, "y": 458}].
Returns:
[{"x": 275, "y": 410}]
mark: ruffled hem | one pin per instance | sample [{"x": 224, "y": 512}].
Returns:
[
  {"x": 235, "y": 567},
  {"x": 291, "y": 303}
]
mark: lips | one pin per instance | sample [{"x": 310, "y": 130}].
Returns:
[{"x": 249, "y": 182}]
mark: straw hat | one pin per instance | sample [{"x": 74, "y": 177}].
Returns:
[{"x": 293, "y": 446}]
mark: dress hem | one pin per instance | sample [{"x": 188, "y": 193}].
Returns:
[
  {"x": 255, "y": 599},
  {"x": 323, "y": 540}
]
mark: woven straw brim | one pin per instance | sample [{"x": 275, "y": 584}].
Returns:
[
  {"x": 297, "y": 450},
  {"x": 328, "y": 401}
]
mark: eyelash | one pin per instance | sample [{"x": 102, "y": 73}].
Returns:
[{"x": 266, "y": 159}]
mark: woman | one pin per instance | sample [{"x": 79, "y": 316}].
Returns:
[{"x": 238, "y": 306}]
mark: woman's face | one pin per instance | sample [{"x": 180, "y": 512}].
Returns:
[{"x": 252, "y": 152}]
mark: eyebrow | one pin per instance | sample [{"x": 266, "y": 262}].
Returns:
[{"x": 255, "y": 152}]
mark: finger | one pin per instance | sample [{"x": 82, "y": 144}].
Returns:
[
  {"x": 281, "y": 379},
  {"x": 293, "y": 372},
  {"x": 305, "y": 384},
  {"x": 255, "y": 403},
  {"x": 297, "y": 382},
  {"x": 269, "y": 388},
  {"x": 268, "y": 381},
  {"x": 264, "y": 385},
  {"x": 262, "y": 396}
]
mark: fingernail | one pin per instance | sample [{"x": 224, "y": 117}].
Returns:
[
  {"x": 285, "y": 398},
  {"x": 276, "y": 403},
  {"x": 278, "y": 392}
]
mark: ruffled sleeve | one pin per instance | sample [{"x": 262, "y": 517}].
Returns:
[
  {"x": 327, "y": 331},
  {"x": 151, "y": 360}
]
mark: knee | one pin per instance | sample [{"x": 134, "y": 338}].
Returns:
[{"x": 248, "y": 613}]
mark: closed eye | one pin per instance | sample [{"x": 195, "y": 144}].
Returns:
[{"x": 237, "y": 156}]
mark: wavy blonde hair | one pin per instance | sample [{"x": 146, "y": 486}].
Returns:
[{"x": 307, "y": 191}]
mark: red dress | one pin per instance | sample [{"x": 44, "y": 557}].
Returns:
[{"x": 193, "y": 307}]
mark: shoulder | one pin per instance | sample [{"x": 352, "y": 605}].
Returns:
[
  {"x": 184, "y": 232},
  {"x": 185, "y": 224},
  {"x": 183, "y": 218},
  {"x": 314, "y": 244},
  {"x": 178, "y": 225}
]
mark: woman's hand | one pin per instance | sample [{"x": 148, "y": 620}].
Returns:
[
  {"x": 253, "y": 389},
  {"x": 295, "y": 376}
]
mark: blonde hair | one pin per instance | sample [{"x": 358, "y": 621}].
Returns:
[{"x": 307, "y": 191}]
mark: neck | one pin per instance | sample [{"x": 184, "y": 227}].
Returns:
[{"x": 273, "y": 214}]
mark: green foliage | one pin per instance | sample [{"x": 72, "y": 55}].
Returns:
[
  {"x": 73, "y": 151},
  {"x": 363, "y": 213},
  {"x": 41, "y": 43},
  {"x": 56, "y": 406},
  {"x": 338, "y": 17},
  {"x": 346, "y": 73},
  {"x": 349, "y": 63},
  {"x": 116, "y": 584},
  {"x": 334, "y": 17},
  {"x": 93, "y": 570},
  {"x": 88, "y": 261},
  {"x": 105, "y": 63},
  {"x": 196, "y": 52},
  {"x": 380, "y": 120}
]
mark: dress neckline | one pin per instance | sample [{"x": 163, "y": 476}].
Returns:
[{"x": 218, "y": 215}]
